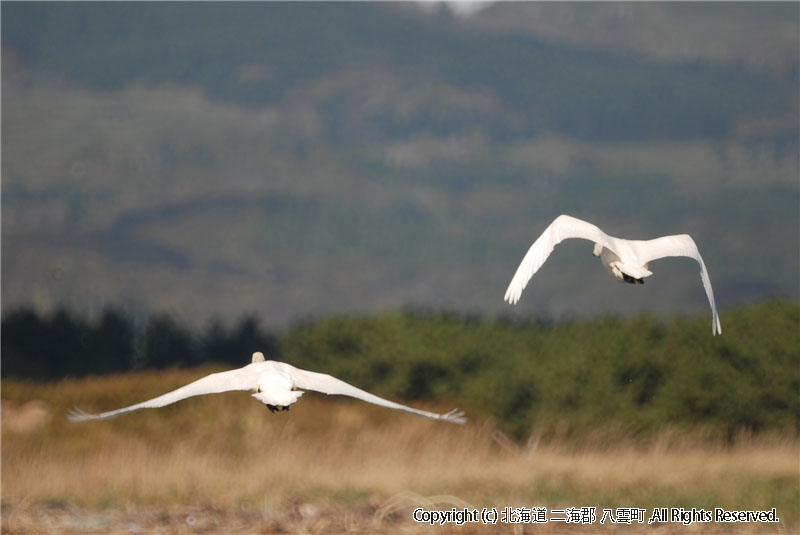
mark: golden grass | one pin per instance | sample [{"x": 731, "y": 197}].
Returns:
[{"x": 338, "y": 465}]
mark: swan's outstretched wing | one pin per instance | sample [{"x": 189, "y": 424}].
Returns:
[
  {"x": 327, "y": 384},
  {"x": 680, "y": 245},
  {"x": 562, "y": 228},
  {"x": 211, "y": 384}
]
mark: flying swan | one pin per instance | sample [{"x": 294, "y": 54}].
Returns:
[
  {"x": 275, "y": 384},
  {"x": 627, "y": 260}
]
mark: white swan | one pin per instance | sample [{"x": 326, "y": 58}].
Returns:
[
  {"x": 274, "y": 384},
  {"x": 627, "y": 260}
]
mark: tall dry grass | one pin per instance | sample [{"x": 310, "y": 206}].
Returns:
[{"x": 328, "y": 460}]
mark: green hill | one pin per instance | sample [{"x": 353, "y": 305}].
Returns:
[{"x": 639, "y": 374}]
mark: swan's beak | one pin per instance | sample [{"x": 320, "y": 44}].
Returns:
[{"x": 597, "y": 249}]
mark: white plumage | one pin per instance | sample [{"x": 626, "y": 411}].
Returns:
[
  {"x": 627, "y": 260},
  {"x": 276, "y": 384}
]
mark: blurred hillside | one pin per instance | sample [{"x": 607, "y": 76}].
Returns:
[
  {"x": 763, "y": 37},
  {"x": 289, "y": 160}
]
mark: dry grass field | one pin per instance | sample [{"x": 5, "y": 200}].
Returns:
[{"x": 224, "y": 464}]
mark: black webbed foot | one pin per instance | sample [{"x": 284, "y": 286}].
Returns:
[{"x": 627, "y": 278}]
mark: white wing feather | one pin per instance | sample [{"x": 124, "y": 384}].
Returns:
[
  {"x": 679, "y": 245},
  {"x": 247, "y": 379},
  {"x": 210, "y": 384},
  {"x": 563, "y": 227},
  {"x": 330, "y": 385}
]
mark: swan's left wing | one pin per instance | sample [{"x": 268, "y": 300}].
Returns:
[
  {"x": 328, "y": 384},
  {"x": 210, "y": 384},
  {"x": 563, "y": 227},
  {"x": 680, "y": 245}
]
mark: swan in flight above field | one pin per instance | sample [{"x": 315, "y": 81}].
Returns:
[
  {"x": 275, "y": 384},
  {"x": 627, "y": 260}
]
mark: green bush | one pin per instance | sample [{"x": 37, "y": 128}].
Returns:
[
  {"x": 574, "y": 377},
  {"x": 639, "y": 373}
]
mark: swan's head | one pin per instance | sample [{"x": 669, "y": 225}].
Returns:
[{"x": 597, "y": 249}]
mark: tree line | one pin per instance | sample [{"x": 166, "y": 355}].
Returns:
[
  {"x": 65, "y": 344},
  {"x": 639, "y": 373}
]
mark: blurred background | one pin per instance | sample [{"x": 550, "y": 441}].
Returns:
[
  {"x": 292, "y": 160},
  {"x": 349, "y": 187}
]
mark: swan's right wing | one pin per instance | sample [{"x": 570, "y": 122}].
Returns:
[
  {"x": 680, "y": 245},
  {"x": 328, "y": 384},
  {"x": 563, "y": 227},
  {"x": 211, "y": 384}
]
